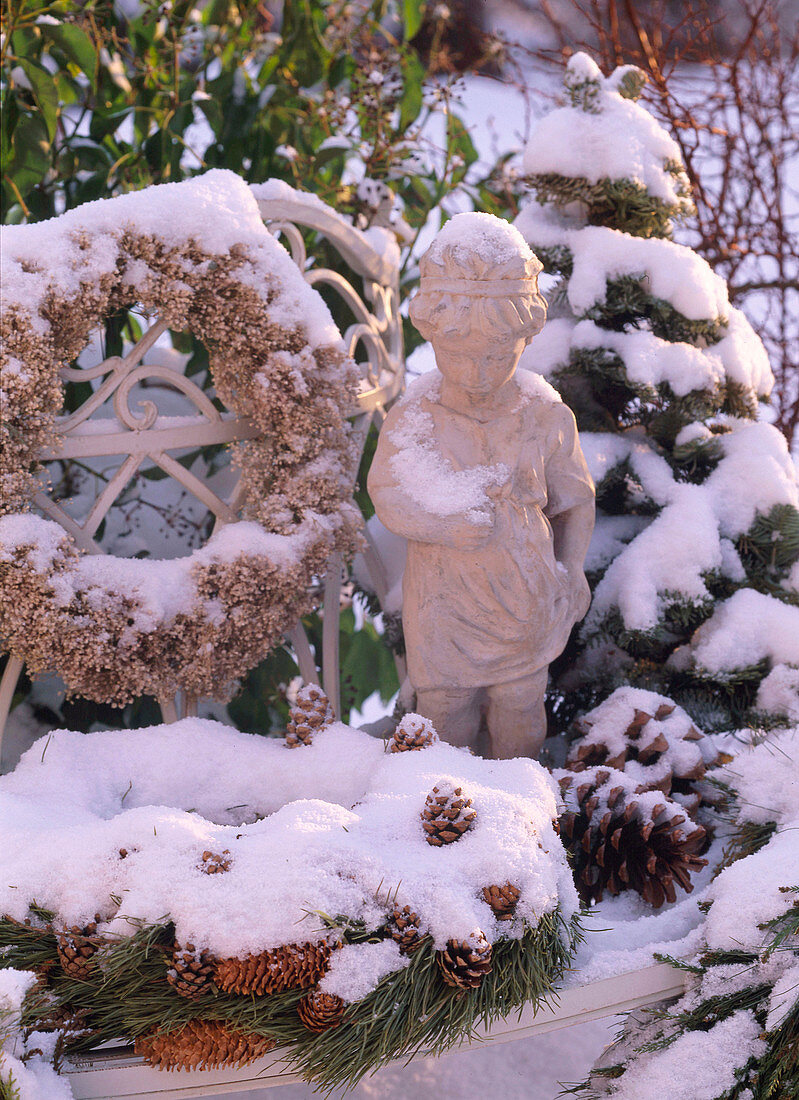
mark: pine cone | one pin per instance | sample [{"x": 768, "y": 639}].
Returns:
[
  {"x": 320, "y": 1011},
  {"x": 201, "y": 1044},
  {"x": 464, "y": 963},
  {"x": 446, "y": 815},
  {"x": 214, "y": 863},
  {"x": 294, "y": 966},
  {"x": 502, "y": 900},
  {"x": 76, "y": 950},
  {"x": 191, "y": 974},
  {"x": 617, "y": 844},
  {"x": 404, "y": 927},
  {"x": 413, "y": 732},
  {"x": 310, "y": 713},
  {"x": 658, "y": 750}
]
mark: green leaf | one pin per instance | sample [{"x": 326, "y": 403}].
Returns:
[
  {"x": 30, "y": 159},
  {"x": 410, "y": 103},
  {"x": 75, "y": 43},
  {"x": 44, "y": 92},
  {"x": 412, "y": 17},
  {"x": 458, "y": 140}
]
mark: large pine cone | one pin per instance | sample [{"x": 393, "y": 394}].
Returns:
[
  {"x": 413, "y": 732},
  {"x": 76, "y": 950},
  {"x": 620, "y": 840},
  {"x": 192, "y": 972},
  {"x": 649, "y": 738},
  {"x": 293, "y": 966},
  {"x": 447, "y": 815},
  {"x": 310, "y": 713},
  {"x": 201, "y": 1044},
  {"x": 320, "y": 1011},
  {"x": 464, "y": 963},
  {"x": 502, "y": 900},
  {"x": 404, "y": 928}
]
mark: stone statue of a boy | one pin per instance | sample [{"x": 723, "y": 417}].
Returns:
[{"x": 480, "y": 469}]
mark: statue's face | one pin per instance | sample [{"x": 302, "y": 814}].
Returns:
[{"x": 476, "y": 362}]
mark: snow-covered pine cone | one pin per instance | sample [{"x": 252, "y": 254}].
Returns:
[
  {"x": 412, "y": 732},
  {"x": 293, "y": 966},
  {"x": 215, "y": 863},
  {"x": 76, "y": 950},
  {"x": 192, "y": 972},
  {"x": 464, "y": 963},
  {"x": 310, "y": 713},
  {"x": 623, "y": 839},
  {"x": 404, "y": 928},
  {"x": 201, "y": 1044},
  {"x": 502, "y": 900},
  {"x": 447, "y": 814},
  {"x": 649, "y": 738},
  {"x": 320, "y": 1011}
]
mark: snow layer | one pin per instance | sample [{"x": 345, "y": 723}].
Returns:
[
  {"x": 618, "y": 139},
  {"x": 765, "y": 778},
  {"x": 494, "y": 239},
  {"x": 747, "y": 628},
  {"x": 333, "y": 827},
  {"x": 214, "y": 210},
  {"x": 430, "y": 480},
  {"x": 34, "y": 1078},
  {"x": 162, "y": 589},
  {"x": 699, "y": 1065}
]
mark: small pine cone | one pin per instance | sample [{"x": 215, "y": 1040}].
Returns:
[
  {"x": 446, "y": 815},
  {"x": 502, "y": 900},
  {"x": 320, "y": 1011},
  {"x": 405, "y": 930},
  {"x": 413, "y": 732},
  {"x": 464, "y": 963},
  {"x": 215, "y": 863},
  {"x": 76, "y": 950},
  {"x": 191, "y": 974},
  {"x": 293, "y": 966},
  {"x": 201, "y": 1044},
  {"x": 310, "y": 713}
]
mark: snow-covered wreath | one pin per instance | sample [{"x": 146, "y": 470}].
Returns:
[
  {"x": 348, "y": 901},
  {"x": 198, "y": 255}
]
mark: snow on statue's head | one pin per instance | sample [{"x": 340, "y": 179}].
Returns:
[{"x": 479, "y": 273}]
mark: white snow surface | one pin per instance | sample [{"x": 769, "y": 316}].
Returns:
[
  {"x": 163, "y": 589},
  {"x": 779, "y": 692},
  {"x": 698, "y": 1065},
  {"x": 216, "y": 210},
  {"x": 357, "y": 968},
  {"x": 495, "y": 239},
  {"x": 429, "y": 479},
  {"x": 765, "y": 777},
  {"x": 620, "y": 140},
  {"x": 332, "y": 827},
  {"x": 34, "y": 1078},
  {"x": 748, "y": 627}
]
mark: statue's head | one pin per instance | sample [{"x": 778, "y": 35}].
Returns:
[
  {"x": 479, "y": 274},
  {"x": 478, "y": 300}
]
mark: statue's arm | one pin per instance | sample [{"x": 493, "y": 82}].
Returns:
[{"x": 571, "y": 511}]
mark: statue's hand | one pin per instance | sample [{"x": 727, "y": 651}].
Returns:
[
  {"x": 474, "y": 531},
  {"x": 579, "y": 593}
]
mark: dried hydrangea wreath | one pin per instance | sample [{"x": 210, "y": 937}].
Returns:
[{"x": 198, "y": 255}]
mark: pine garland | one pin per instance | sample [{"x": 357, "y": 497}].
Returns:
[{"x": 411, "y": 1011}]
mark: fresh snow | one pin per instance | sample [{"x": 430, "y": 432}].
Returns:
[
  {"x": 216, "y": 209},
  {"x": 333, "y": 827},
  {"x": 620, "y": 141}
]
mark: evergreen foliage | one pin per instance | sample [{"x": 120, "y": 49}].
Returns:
[
  {"x": 662, "y": 384},
  {"x": 411, "y": 1011}
]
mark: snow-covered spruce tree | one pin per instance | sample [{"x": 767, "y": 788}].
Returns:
[{"x": 695, "y": 560}]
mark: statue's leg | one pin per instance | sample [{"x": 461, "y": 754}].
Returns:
[
  {"x": 454, "y": 712},
  {"x": 517, "y": 721}
]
